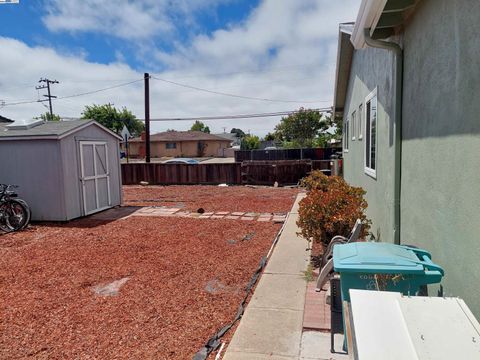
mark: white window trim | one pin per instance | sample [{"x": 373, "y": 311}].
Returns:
[
  {"x": 353, "y": 118},
  {"x": 369, "y": 171},
  {"x": 360, "y": 122},
  {"x": 345, "y": 135},
  {"x": 95, "y": 177}
]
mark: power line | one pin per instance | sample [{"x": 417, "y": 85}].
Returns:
[
  {"x": 99, "y": 90},
  {"x": 241, "y": 116},
  {"x": 236, "y": 95},
  {"x": 74, "y": 95},
  {"x": 228, "y": 117}
]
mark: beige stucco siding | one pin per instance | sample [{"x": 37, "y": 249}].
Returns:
[{"x": 182, "y": 149}]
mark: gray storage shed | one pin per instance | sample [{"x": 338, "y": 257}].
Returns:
[{"x": 64, "y": 169}]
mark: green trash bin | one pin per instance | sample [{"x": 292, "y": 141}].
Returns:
[{"x": 382, "y": 266}]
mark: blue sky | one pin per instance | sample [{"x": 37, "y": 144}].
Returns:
[
  {"x": 277, "y": 49},
  {"x": 26, "y": 22}
]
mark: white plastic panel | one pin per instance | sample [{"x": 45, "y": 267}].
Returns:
[
  {"x": 388, "y": 325},
  {"x": 379, "y": 327}
]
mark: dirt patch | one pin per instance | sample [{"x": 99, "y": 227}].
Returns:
[
  {"x": 183, "y": 275},
  {"x": 212, "y": 198}
]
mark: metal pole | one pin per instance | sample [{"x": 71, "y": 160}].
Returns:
[
  {"x": 50, "y": 100},
  {"x": 126, "y": 146},
  {"x": 147, "y": 117}
]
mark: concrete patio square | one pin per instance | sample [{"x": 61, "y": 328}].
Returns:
[
  {"x": 268, "y": 331},
  {"x": 279, "y": 292},
  {"x": 316, "y": 346},
  {"x": 252, "y": 356}
]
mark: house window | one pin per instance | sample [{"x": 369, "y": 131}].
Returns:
[
  {"x": 360, "y": 122},
  {"x": 171, "y": 145},
  {"x": 371, "y": 134},
  {"x": 346, "y": 126},
  {"x": 353, "y": 124}
]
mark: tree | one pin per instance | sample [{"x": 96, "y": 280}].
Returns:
[
  {"x": 114, "y": 119},
  {"x": 200, "y": 126},
  {"x": 239, "y": 132},
  {"x": 48, "y": 117},
  {"x": 250, "y": 142},
  {"x": 301, "y": 128},
  {"x": 269, "y": 137}
]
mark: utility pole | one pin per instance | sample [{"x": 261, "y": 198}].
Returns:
[
  {"x": 49, "y": 96},
  {"x": 146, "y": 78}
]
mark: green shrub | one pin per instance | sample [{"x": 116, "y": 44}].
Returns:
[{"x": 330, "y": 208}]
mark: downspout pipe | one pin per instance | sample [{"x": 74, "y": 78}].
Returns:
[{"x": 397, "y": 50}]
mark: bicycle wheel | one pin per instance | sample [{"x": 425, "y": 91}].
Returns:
[
  {"x": 16, "y": 214},
  {"x": 3, "y": 222},
  {"x": 29, "y": 212}
]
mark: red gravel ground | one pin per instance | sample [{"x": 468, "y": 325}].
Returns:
[
  {"x": 164, "y": 311},
  {"x": 212, "y": 198}
]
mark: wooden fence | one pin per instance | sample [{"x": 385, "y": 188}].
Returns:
[
  {"x": 248, "y": 172},
  {"x": 285, "y": 154}
]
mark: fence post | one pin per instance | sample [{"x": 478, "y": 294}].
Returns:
[{"x": 334, "y": 167}]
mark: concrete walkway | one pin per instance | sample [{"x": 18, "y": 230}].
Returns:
[{"x": 272, "y": 325}]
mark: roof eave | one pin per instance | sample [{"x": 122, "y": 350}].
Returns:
[
  {"x": 383, "y": 18},
  {"x": 344, "y": 61},
  {"x": 367, "y": 18}
]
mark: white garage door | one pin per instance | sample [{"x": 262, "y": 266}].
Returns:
[{"x": 95, "y": 176}]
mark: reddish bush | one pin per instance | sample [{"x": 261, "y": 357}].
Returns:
[
  {"x": 330, "y": 208},
  {"x": 317, "y": 180}
]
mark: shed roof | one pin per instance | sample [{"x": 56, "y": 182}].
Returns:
[
  {"x": 49, "y": 130},
  {"x": 182, "y": 136}
]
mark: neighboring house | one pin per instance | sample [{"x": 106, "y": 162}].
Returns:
[
  {"x": 180, "y": 144},
  {"x": 412, "y": 135},
  {"x": 64, "y": 169},
  {"x": 234, "y": 139}
]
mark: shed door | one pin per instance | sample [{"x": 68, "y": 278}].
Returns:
[{"x": 95, "y": 177}]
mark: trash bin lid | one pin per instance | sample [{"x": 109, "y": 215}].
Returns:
[{"x": 371, "y": 257}]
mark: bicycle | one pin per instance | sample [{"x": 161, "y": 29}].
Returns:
[{"x": 15, "y": 213}]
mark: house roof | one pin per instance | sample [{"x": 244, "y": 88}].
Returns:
[
  {"x": 182, "y": 136},
  {"x": 48, "y": 130},
  {"x": 232, "y": 137},
  {"x": 344, "y": 62},
  {"x": 3, "y": 119}
]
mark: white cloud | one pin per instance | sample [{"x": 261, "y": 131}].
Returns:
[
  {"x": 284, "y": 50},
  {"x": 132, "y": 20}
]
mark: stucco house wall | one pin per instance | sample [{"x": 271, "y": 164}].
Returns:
[
  {"x": 440, "y": 168},
  {"x": 368, "y": 74},
  {"x": 183, "y": 148},
  {"x": 441, "y": 141}
]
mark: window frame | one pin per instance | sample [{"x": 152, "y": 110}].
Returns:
[
  {"x": 353, "y": 117},
  {"x": 368, "y": 169},
  {"x": 360, "y": 122},
  {"x": 170, "y": 147},
  {"x": 346, "y": 139}
]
